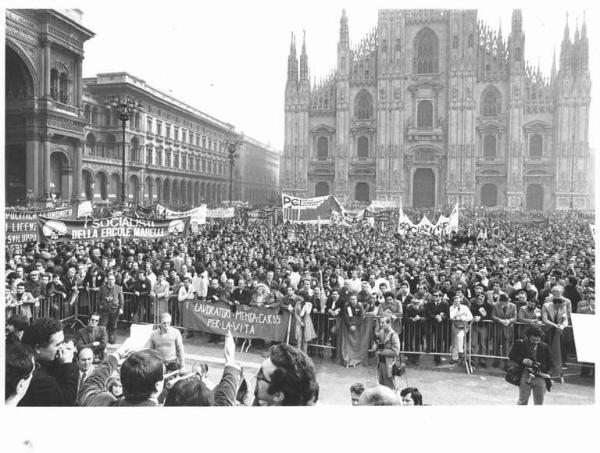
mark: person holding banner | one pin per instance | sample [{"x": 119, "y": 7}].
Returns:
[
  {"x": 110, "y": 302},
  {"x": 351, "y": 334}
]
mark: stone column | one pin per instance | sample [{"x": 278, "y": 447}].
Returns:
[
  {"x": 46, "y": 140},
  {"x": 78, "y": 81},
  {"x": 77, "y": 176},
  {"x": 47, "y": 67}
]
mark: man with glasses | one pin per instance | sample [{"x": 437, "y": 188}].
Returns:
[
  {"x": 286, "y": 378},
  {"x": 94, "y": 337},
  {"x": 55, "y": 383}
]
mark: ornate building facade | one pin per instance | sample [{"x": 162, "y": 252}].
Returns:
[
  {"x": 63, "y": 143},
  {"x": 257, "y": 170},
  {"x": 176, "y": 155},
  {"x": 44, "y": 127},
  {"x": 433, "y": 108}
]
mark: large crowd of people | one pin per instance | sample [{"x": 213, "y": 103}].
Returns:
[{"x": 419, "y": 294}]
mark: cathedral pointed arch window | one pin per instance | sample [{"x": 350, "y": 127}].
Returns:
[
  {"x": 425, "y": 114},
  {"x": 536, "y": 146},
  {"x": 490, "y": 103},
  {"x": 363, "y": 105},
  {"x": 426, "y": 52}
]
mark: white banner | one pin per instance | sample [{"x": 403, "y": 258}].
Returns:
[
  {"x": 220, "y": 213},
  {"x": 383, "y": 204},
  {"x": 84, "y": 209},
  {"x": 289, "y": 201},
  {"x": 444, "y": 225},
  {"x": 585, "y": 328},
  {"x": 453, "y": 225},
  {"x": 198, "y": 215}
]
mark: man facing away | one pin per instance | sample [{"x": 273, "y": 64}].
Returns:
[
  {"x": 142, "y": 375},
  {"x": 20, "y": 366}
]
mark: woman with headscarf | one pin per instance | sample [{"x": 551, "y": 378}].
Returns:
[{"x": 305, "y": 331}]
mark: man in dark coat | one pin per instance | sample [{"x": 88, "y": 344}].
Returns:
[
  {"x": 54, "y": 383},
  {"x": 535, "y": 362},
  {"x": 437, "y": 313},
  {"x": 94, "y": 337}
]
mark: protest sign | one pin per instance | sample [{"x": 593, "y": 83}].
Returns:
[
  {"x": 109, "y": 228},
  {"x": 84, "y": 209},
  {"x": 220, "y": 213},
  {"x": 289, "y": 201},
  {"x": 21, "y": 224},
  {"x": 197, "y": 215},
  {"x": 584, "y": 332},
  {"x": 139, "y": 336},
  {"x": 245, "y": 321}
]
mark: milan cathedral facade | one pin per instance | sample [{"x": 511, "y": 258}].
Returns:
[{"x": 433, "y": 108}]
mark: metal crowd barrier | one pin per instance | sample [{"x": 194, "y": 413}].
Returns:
[
  {"x": 483, "y": 340},
  {"x": 491, "y": 340}
]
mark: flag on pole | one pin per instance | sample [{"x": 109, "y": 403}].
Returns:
[{"x": 453, "y": 225}]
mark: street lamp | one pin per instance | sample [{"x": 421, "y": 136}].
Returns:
[
  {"x": 126, "y": 107},
  {"x": 231, "y": 149}
]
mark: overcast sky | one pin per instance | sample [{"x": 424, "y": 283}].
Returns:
[{"x": 229, "y": 58}]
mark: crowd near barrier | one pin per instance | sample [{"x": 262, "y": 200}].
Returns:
[{"x": 483, "y": 340}]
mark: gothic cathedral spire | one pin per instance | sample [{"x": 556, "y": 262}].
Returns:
[
  {"x": 292, "y": 61},
  {"x": 303, "y": 59}
]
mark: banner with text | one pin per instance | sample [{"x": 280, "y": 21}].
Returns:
[
  {"x": 21, "y": 225},
  {"x": 197, "y": 215},
  {"x": 220, "y": 213},
  {"x": 444, "y": 225},
  {"x": 110, "y": 228},
  {"x": 289, "y": 201},
  {"x": 246, "y": 322}
]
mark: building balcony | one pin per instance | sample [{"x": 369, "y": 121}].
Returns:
[
  {"x": 422, "y": 134},
  {"x": 168, "y": 140},
  {"x": 158, "y": 138}
]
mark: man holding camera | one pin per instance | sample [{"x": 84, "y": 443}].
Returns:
[
  {"x": 535, "y": 362},
  {"x": 111, "y": 306}
]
